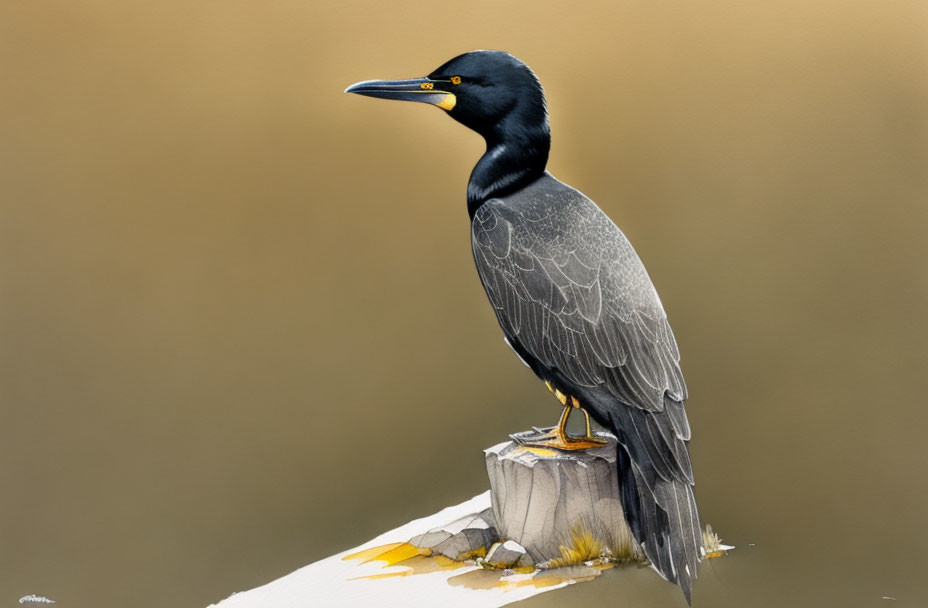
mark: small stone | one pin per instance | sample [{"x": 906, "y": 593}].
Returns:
[
  {"x": 504, "y": 555},
  {"x": 466, "y": 543},
  {"x": 429, "y": 539},
  {"x": 461, "y": 538}
]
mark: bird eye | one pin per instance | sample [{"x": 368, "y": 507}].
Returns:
[{"x": 455, "y": 80}]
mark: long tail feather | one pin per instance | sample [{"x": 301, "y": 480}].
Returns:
[{"x": 659, "y": 504}]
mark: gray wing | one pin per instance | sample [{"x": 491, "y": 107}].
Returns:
[{"x": 569, "y": 288}]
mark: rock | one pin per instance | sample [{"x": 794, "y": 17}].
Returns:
[
  {"x": 508, "y": 554},
  {"x": 525, "y": 561},
  {"x": 562, "y": 507},
  {"x": 462, "y": 538}
]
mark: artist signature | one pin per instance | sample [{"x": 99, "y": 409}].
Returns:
[{"x": 35, "y": 599}]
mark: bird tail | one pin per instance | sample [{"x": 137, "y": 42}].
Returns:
[{"x": 657, "y": 497}]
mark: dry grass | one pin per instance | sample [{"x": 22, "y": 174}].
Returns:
[
  {"x": 597, "y": 544},
  {"x": 583, "y": 546},
  {"x": 712, "y": 543}
]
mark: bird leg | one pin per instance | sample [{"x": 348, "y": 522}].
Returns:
[{"x": 557, "y": 436}]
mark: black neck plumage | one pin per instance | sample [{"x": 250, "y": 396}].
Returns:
[{"x": 516, "y": 156}]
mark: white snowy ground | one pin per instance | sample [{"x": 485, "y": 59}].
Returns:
[{"x": 335, "y": 582}]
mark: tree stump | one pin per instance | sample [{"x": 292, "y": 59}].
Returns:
[{"x": 561, "y": 506}]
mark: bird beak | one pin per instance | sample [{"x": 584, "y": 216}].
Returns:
[{"x": 415, "y": 89}]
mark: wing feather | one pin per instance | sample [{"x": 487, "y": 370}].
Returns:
[{"x": 569, "y": 290}]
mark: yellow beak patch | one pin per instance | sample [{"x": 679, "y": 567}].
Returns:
[{"x": 447, "y": 102}]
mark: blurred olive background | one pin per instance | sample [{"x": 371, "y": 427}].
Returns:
[{"x": 240, "y": 329}]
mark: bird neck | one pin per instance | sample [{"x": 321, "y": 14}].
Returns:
[{"x": 516, "y": 156}]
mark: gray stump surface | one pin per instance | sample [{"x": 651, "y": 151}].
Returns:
[{"x": 544, "y": 499}]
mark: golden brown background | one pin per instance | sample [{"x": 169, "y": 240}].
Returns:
[{"x": 240, "y": 329}]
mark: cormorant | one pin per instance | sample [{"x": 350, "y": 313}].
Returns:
[{"x": 572, "y": 297}]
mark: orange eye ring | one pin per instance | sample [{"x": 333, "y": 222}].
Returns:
[{"x": 455, "y": 80}]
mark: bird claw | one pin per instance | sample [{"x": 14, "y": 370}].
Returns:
[{"x": 551, "y": 438}]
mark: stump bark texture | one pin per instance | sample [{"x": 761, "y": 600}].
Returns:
[{"x": 546, "y": 499}]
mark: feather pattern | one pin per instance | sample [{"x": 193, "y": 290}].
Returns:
[{"x": 575, "y": 302}]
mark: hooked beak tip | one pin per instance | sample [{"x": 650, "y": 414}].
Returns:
[{"x": 371, "y": 86}]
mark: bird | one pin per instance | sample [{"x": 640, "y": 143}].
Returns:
[{"x": 573, "y": 299}]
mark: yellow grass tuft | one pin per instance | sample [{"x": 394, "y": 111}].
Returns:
[
  {"x": 584, "y": 546},
  {"x": 712, "y": 543},
  {"x": 625, "y": 550}
]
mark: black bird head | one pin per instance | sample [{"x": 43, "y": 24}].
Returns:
[{"x": 497, "y": 96}]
